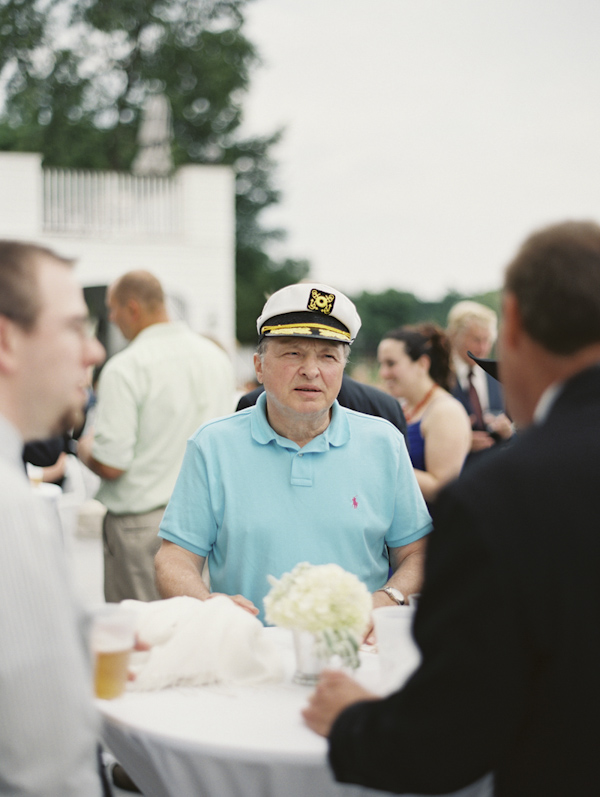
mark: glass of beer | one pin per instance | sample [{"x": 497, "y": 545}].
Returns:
[
  {"x": 35, "y": 473},
  {"x": 112, "y": 640}
]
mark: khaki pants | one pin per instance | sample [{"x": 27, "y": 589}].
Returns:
[{"x": 130, "y": 545}]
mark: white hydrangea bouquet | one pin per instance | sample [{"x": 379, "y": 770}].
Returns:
[{"x": 326, "y": 601}]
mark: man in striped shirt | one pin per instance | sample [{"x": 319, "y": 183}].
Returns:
[{"x": 48, "y": 731}]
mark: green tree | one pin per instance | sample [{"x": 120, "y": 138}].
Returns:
[
  {"x": 76, "y": 74},
  {"x": 381, "y": 312}
]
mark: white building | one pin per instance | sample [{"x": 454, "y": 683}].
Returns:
[{"x": 181, "y": 228}]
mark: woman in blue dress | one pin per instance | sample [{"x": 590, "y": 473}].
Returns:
[{"x": 414, "y": 365}]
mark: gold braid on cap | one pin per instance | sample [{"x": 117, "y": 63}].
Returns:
[{"x": 306, "y": 329}]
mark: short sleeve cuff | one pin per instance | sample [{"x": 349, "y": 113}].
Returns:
[{"x": 166, "y": 535}]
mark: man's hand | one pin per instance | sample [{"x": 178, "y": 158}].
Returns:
[
  {"x": 242, "y": 602},
  {"x": 138, "y": 645},
  {"x": 480, "y": 441},
  {"x": 52, "y": 473},
  {"x": 500, "y": 424},
  {"x": 335, "y": 692},
  {"x": 407, "y": 563}
]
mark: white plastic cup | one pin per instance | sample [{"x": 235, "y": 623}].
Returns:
[
  {"x": 112, "y": 640},
  {"x": 35, "y": 473},
  {"x": 398, "y": 653}
]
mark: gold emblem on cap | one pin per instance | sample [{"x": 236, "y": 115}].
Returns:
[{"x": 320, "y": 302}]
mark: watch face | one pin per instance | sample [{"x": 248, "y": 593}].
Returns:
[{"x": 396, "y": 594}]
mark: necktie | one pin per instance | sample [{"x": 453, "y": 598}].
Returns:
[{"x": 479, "y": 424}]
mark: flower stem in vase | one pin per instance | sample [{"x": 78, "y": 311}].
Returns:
[{"x": 310, "y": 658}]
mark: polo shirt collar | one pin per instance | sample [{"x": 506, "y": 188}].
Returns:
[{"x": 336, "y": 434}]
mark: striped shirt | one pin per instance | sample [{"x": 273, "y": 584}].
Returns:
[{"x": 48, "y": 724}]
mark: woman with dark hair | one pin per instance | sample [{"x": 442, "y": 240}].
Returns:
[{"x": 414, "y": 364}]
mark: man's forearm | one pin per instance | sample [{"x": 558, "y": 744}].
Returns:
[
  {"x": 177, "y": 575},
  {"x": 408, "y": 576}
]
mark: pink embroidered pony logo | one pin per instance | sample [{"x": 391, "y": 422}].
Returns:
[{"x": 355, "y": 503}]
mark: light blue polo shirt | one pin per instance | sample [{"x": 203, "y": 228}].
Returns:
[{"x": 256, "y": 504}]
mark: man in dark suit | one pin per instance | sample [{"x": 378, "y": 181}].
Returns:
[
  {"x": 472, "y": 327},
  {"x": 509, "y": 618},
  {"x": 356, "y": 396}
]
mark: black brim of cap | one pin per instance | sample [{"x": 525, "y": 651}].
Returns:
[
  {"x": 306, "y": 325},
  {"x": 489, "y": 366}
]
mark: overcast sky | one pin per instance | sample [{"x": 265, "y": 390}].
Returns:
[{"x": 425, "y": 138}]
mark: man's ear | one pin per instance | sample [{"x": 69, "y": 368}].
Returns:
[
  {"x": 134, "y": 308},
  {"x": 258, "y": 369},
  {"x": 8, "y": 345},
  {"x": 512, "y": 324}
]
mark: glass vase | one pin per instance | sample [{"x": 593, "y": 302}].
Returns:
[{"x": 311, "y": 657}]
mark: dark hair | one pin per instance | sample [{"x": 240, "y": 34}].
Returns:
[
  {"x": 19, "y": 286},
  {"x": 555, "y": 278},
  {"x": 429, "y": 339}
]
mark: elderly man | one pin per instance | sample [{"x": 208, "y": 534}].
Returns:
[
  {"x": 472, "y": 327},
  {"x": 296, "y": 477},
  {"x": 151, "y": 397},
  {"x": 48, "y": 724},
  {"x": 509, "y": 615}
]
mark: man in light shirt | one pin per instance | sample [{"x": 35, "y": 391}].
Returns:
[
  {"x": 48, "y": 725},
  {"x": 295, "y": 477},
  {"x": 151, "y": 397}
]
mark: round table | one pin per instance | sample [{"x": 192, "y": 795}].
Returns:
[{"x": 230, "y": 741}]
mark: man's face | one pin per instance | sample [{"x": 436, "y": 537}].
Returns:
[
  {"x": 513, "y": 365},
  {"x": 55, "y": 357},
  {"x": 474, "y": 337},
  {"x": 300, "y": 375}
]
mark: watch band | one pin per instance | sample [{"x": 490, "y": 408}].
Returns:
[{"x": 394, "y": 594}]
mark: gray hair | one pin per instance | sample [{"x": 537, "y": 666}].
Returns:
[
  {"x": 467, "y": 312},
  {"x": 262, "y": 348}
]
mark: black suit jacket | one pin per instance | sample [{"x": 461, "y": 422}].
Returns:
[
  {"x": 356, "y": 396},
  {"x": 508, "y": 625}
]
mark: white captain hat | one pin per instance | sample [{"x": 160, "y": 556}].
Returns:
[{"x": 309, "y": 310}]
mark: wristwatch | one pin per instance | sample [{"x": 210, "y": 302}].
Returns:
[{"x": 394, "y": 594}]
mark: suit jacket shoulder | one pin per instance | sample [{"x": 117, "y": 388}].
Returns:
[{"x": 370, "y": 400}]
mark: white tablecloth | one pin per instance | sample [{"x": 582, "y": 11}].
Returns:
[{"x": 220, "y": 741}]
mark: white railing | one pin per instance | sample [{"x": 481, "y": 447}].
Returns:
[{"x": 93, "y": 203}]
